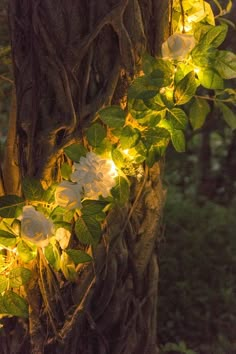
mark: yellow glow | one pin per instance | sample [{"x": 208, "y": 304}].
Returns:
[
  {"x": 187, "y": 27},
  {"x": 113, "y": 170},
  {"x": 196, "y": 70},
  {"x": 126, "y": 152}
]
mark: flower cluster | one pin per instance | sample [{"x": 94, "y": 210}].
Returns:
[{"x": 92, "y": 177}]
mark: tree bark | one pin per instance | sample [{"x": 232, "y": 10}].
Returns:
[{"x": 70, "y": 59}]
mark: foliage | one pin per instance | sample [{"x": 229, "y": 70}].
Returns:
[
  {"x": 64, "y": 223},
  {"x": 197, "y": 270}
]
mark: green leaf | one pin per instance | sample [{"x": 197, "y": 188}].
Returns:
[
  {"x": 203, "y": 57},
  {"x": 19, "y": 276},
  {"x": 146, "y": 87},
  {"x": 66, "y": 171},
  {"x": 68, "y": 267},
  {"x": 121, "y": 190},
  {"x": 129, "y": 137},
  {"x": 88, "y": 230},
  {"x": 177, "y": 118},
  {"x": 3, "y": 284},
  {"x": 185, "y": 89},
  {"x": 198, "y": 113},
  {"x": 92, "y": 207},
  {"x": 118, "y": 158},
  {"x": 7, "y": 239},
  {"x": 32, "y": 189},
  {"x": 14, "y": 304},
  {"x": 215, "y": 36},
  {"x": 9, "y": 205},
  {"x": 78, "y": 256},
  {"x": 153, "y": 136},
  {"x": 75, "y": 152},
  {"x": 95, "y": 134},
  {"x": 113, "y": 116},
  {"x": 49, "y": 194},
  {"x": 210, "y": 79},
  {"x": 228, "y": 115},
  {"x": 225, "y": 64},
  {"x": 26, "y": 252},
  {"x": 178, "y": 140},
  {"x": 53, "y": 256}
]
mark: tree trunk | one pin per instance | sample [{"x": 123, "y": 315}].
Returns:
[{"x": 71, "y": 58}]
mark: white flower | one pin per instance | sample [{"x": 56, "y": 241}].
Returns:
[
  {"x": 68, "y": 195},
  {"x": 63, "y": 237},
  {"x": 178, "y": 46},
  {"x": 35, "y": 227},
  {"x": 95, "y": 175}
]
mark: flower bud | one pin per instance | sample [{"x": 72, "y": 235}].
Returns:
[
  {"x": 68, "y": 195},
  {"x": 178, "y": 46}
]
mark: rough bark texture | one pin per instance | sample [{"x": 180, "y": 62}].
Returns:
[{"x": 71, "y": 58}]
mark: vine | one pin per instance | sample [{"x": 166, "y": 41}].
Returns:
[{"x": 63, "y": 224}]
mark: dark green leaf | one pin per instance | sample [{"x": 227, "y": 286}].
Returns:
[
  {"x": 32, "y": 189},
  {"x": 88, "y": 230},
  {"x": 9, "y": 205},
  {"x": 14, "y": 304},
  {"x": 95, "y": 134},
  {"x": 78, "y": 256},
  {"x": 92, "y": 207},
  {"x": 18, "y": 277},
  {"x": 7, "y": 239},
  {"x": 228, "y": 115},
  {"x": 75, "y": 152},
  {"x": 113, "y": 116}
]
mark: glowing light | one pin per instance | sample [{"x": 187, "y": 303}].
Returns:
[
  {"x": 196, "y": 70},
  {"x": 113, "y": 170},
  {"x": 126, "y": 152}
]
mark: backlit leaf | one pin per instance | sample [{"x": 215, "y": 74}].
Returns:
[
  {"x": 18, "y": 277},
  {"x": 185, "y": 89},
  {"x": 198, "y": 112},
  {"x": 7, "y": 239},
  {"x": 26, "y": 252},
  {"x": 9, "y": 205},
  {"x": 210, "y": 79},
  {"x": 178, "y": 140}
]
